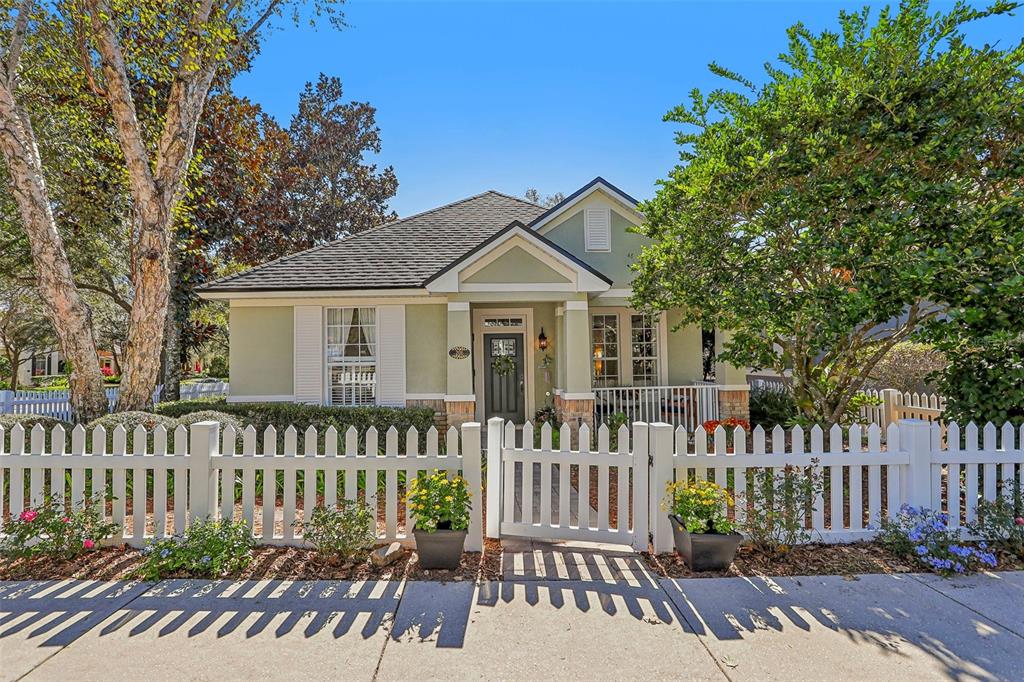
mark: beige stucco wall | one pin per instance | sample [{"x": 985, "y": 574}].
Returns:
[
  {"x": 426, "y": 348},
  {"x": 516, "y": 265},
  {"x": 568, "y": 233},
  {"x": 261, "y": 351}
]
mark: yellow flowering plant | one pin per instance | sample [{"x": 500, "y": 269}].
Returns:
[
  {"x": 701, "y": 506},
  {"x": 439, "y": 502}
]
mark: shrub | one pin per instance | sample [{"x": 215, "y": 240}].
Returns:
[
  {"x": 772, "y": 405},
  {"x": 985, "y": 381},
  {"x": 1001, "y": 523},
  {"x": 924, "y": 536},
  {"x": 439, "y": 502},
  {"x": 218, "y": 367},
  {"x": 130, "y": 421},
  {"x": 28, "y": 421},
  {"x": 225, "y": 420},
  {"x": 346, "y": 532},
  {"x": 907, "y": 367},
  {"x": 702, "y": 507},
  {"x": 779, "y": 504},
  {"x": 281, "y": 415},
  {"x": 207, "y": 549},
  {"x": 50, "y": 530}
]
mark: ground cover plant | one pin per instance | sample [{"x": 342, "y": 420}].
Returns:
[
  {"x": 924, "y": 535},
  {"x": 207, "y": 549},
  {"x": 51, "y": 530}
]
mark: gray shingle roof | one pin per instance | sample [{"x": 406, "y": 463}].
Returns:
[{"x": 400, "y": 254}]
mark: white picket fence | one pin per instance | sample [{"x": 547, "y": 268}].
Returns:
[
  {"x": 57, "y": 403},
  {"x": 214, "y": 475},
  {"x": 896, "y": 405}
]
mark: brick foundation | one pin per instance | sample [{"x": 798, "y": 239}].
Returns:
[
  {"x": 574, "y": 413},
  {"x": 437, "y": 405},
  {"x": 734, "y": 401},
  {"x": 459, "y": 412}
]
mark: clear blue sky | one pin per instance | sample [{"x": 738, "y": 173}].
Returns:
[{"x": 507, "y": 95}]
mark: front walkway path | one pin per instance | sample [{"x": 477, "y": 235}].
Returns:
[{"x": 559, "y": 613}]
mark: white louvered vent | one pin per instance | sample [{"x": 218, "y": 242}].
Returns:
[
  {"x": 391, "y": 355},
  {"x": 309, "y": 354},
  {"x": 597, "y": 226}
]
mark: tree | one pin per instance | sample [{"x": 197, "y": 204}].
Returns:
[
  {"x": 112, "y": 48},
  {"x": 877, "y": 168},
  {"x": 533, "y": 195},
  {"x": 23, "y": 325}
]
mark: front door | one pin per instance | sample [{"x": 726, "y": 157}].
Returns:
[{"x": 504, "y": 390}]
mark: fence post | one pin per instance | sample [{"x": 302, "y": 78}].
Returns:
[
  {"x": 471, "y": 469},
  {"x": 495, "y": 426},
  {"x": 641, "y": 492},
  {"x": 890, "y": 407},
  {"x": 204, "y": 439},
  {"x": 6, "y": 402},
  {"x": 916, "y": 440},
  {"x": 661, "y": 477}
]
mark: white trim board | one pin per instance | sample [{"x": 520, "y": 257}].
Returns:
[
  {"x": 261, "y": 398},
  {"x": 528, "y": 352},
  {"x": 621, "y": 205}
]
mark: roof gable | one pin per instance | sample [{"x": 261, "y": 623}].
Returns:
[
  {"x": 624, "y": 203},
  {"x": 515, "y": 265}
]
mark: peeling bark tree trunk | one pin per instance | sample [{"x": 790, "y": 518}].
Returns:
[
  {"x": 70, "y": 315},
  {"x": 172, "y": 339}
]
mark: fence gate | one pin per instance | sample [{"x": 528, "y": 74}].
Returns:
[{"x": 552, "y": 492}]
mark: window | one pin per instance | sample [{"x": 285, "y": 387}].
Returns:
[
  {"x": 597, "y": 228},
  {"x": 352, "y": 355},
  {"x": 604, "y": 333},
  {"x": 39, "y": 365},
  {"x": 504, "y": 322},
  {"x": 643, "y": 337}
]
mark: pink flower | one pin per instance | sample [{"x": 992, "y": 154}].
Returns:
[
  {"x": 66, "y": 520},
  {"x": 88, "y": 544},
  {"x": 1019, "y": 521},
  {"x": 28, "y": 515}
]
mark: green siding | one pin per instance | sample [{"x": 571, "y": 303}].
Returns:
[
  {"x": 261, "y": 350},
  {"x": 516, "y": 265},
  {"x": 615, "y": 263},
  {"x": 426, "y": 353},
  {"x": 544, "y": 379},
  {"x": 685, "y": 364}
]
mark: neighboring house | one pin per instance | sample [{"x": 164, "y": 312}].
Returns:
[
  {"x": 44, "y": 364},
  {"x": 488, "y": 306}
]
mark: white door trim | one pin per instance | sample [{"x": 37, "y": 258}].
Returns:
[{"x": 478, "y": 353}]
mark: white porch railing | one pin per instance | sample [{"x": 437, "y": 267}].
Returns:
[{"x": 688, "y": 406}]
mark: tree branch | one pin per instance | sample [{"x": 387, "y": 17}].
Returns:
[{"x": 13, "y": 58}]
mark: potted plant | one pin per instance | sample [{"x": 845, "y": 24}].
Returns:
[
  {"x": 441, "y": 507},
  {"x": 705, "y": 537}
]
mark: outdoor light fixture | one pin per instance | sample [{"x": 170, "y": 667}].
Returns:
[{"x": 542, "y": 340}]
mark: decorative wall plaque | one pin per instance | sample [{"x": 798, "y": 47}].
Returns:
[{"x": 458, "y": 353}]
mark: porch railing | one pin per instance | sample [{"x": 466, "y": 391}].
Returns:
[{"x": 688, "y": 406}]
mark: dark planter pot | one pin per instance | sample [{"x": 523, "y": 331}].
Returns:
[
  {"x": 704, "y": 551},
  {"x": 440, "y": 549}
]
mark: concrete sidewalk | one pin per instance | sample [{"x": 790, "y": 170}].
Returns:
[{"x": 559, "y": 613}]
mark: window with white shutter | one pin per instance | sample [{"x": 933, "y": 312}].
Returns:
[{"x": 597, "y": 227}]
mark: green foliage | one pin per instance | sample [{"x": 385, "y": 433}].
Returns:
[
  {"x": 1001, "y": 523},
  {"x": 225, "y": 420},
  {"x": 50, "y": 530},
  {"x": 907, "y": 367},
  {"x": 207, "y": 549},
  {"x": 984, "y": 380},
  {"x": 778, "y": 505},
  {"x": 702, "y": 506},
  {"x": 924, "y": 536},
  {"x": 28, "y": 421},
  {"x": 439, "y": 502},
  {"x": 281, "y": 415},
  {"x": 218, "y": 367},
  {"x": 772, "y": 405},
  {"x": 345, "y": 533},
  {"x": 879, "y": 166}
]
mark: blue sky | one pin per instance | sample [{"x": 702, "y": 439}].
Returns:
[{"x": 473, "y": 96}]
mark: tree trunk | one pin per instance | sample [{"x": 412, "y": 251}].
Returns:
[
  {"x": 13, "y": 355},
  {"x": 172, "y": 339},
  {"x": 71, "y": 316}
]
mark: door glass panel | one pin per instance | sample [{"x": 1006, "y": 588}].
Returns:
[{"x": 502, "y": 347}]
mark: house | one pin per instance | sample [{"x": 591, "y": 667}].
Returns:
[
  {"x": 38, "y": 365},
  {"x": 487, "y": 306}
]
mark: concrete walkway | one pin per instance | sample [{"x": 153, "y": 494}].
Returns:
[{"x": 560, "y": 613}]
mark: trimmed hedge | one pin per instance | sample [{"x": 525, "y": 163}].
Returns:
[
  {"x": 27, "y": 421},
  {"x": 282, "y": 415}
]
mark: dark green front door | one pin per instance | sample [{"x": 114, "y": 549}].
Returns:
[{"x": 503, "y": 377}]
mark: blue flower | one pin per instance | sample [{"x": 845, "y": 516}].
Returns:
[
  {"x": 921, "y": 550},
  {"x": 982, "y": 545},
  {"x": 164, "y": 553},
  {"x": 958, "y": 567},
  {"x": 914, "y": 535},
  {"x": 961, "y": 551},
  {"x": 205, "y": 559}
]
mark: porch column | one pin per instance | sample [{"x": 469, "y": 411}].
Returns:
[
  {"x": 575, "y": 404},
  {"x": 459, "y": 401}
]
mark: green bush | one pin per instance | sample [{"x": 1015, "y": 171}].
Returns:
[
  {"x": 130, "y": 421},
  {"x": 218, "y": 367},
  {"x": 9, "y": 421},
  {"x": 225, "y": 420},
  {"x": 345, "y": 533},
  {"x": 772, "y": 405},
  {"x": 985, "y": 381},
  {"x": 777, "y": 504},
  {"x": 207, "y": 549},
  {"x": 1001, "y": 522},
  {"x": 282, "y": 415},
  {"x": 50, "y": 530}
]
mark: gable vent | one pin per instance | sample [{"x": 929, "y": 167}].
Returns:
[{"x": 597, "y": 226}]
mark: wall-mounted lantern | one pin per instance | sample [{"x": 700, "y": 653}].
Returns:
[{"x": 542, "y": 340}]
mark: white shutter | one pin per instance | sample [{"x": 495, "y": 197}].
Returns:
[
  {"x": 597, "y": 226},
  {"x": 391, "y": 355},
  {"x": 309, "y": 354}
]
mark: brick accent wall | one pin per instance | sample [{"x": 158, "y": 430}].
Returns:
[
  {"x": 734, "y": 402},
  {"x": 460, "y": 412},
  {"x": 573, "y": 413}
]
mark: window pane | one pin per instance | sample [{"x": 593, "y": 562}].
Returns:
[
  {"x": 354, "y": 384},
  {"x": 351, "y": 351},
  {"x": 644, "y": 348},
  {"x": 605, "y": 350}
]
